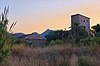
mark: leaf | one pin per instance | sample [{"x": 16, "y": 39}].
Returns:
[
  {"x": 4, "y": 10},
  {"x": 11, "y": 26},
  {"x": 2, "y": 17},
  {"x": 7, "y": 10}
]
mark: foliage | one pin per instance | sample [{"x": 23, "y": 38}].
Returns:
[
  {"x": 83, "y": 61},
  {"x": 59, "y": 34},
  {"x": 77, "y": 33},
  {"x": 90, "y": 41},
  {"x": 53, "y": 35},
  {"x": 4, "y": 36},
  {"x": 97, "y": 34},
  {"x": 19, "y": 41},
  {"x": 54, "y": 56},
  {"x": 56, "y": 42},
  {"x": 72, "y": 36},
  {"x": 96, "y": 29}
]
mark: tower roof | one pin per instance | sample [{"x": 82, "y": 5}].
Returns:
[{"x": 80, "y": 15}]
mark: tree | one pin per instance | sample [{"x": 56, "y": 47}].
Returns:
[
  {"x": 96, "y": 28},
  {"x": 77, "y": 33},
  {"x": 56, "y": 35}
]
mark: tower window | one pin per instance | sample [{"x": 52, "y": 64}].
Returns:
[{"x": 84, "y": 20}]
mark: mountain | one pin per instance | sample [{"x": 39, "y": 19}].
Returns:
[
  {"x": 16, "y": 35},
  {"x": 37, "y": 34},
  {"x": 46, "y": 33}
]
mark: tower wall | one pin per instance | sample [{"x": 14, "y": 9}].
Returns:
[{"x": 82, "y": 20}]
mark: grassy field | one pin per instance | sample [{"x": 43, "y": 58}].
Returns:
[{"x": 53, "y": 56}]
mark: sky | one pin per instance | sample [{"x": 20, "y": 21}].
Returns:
[{"x": 39, "y": 15}]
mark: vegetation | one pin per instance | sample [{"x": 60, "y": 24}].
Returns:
[
  {"x": 96, "y": 30},
  {"x": 85, "y": 61},
  {"x": 56, "y": 42},
  {"x": 54, "y": 56},
  {"x": 77, "y": 33},
  {"x": 73, "y": 36},
  {"x": 59, "y": 34},
  {"x": 19, "y": 42},
  {"x": 4, "y": 36},
  {"x": 61, "y": 49},
  {"x": 90, "y": 41},
  {"x": 65, "y": 48}
]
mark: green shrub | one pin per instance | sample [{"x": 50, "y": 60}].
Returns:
[
  {"x": 4, "y": 36},
  {"x": 19, "y": 41},
  {"x": 56, "y": 42},
  {"x": 84, "y": 61},
  {"x": 90, "y": 41},
  {"x": 97, "y": 34}
]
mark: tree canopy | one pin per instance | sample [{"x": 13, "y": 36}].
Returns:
[{"x": 96, "y": 28}]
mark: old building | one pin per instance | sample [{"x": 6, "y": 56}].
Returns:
[{"x": 82, "y": 20}]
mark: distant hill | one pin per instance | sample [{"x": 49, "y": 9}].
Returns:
[
  {"x": 46, "y": 32},
  {"x": 16, "y": 35},
  {"x": 37, "y": 34}
]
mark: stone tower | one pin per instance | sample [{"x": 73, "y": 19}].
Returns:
[{"x": 82, "y": 20}]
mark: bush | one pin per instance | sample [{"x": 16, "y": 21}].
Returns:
[
  {"x": 90, "y": 41},
  {"x": 56, "y": 42},
  {"x": 19, "y": 41},
  {"x": 97, "y": 34},
  {"x": 4, "y": 36},
  {"x": 83, "y": 61}
]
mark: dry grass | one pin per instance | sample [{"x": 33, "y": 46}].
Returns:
[{"x": 52, "y": 56}]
